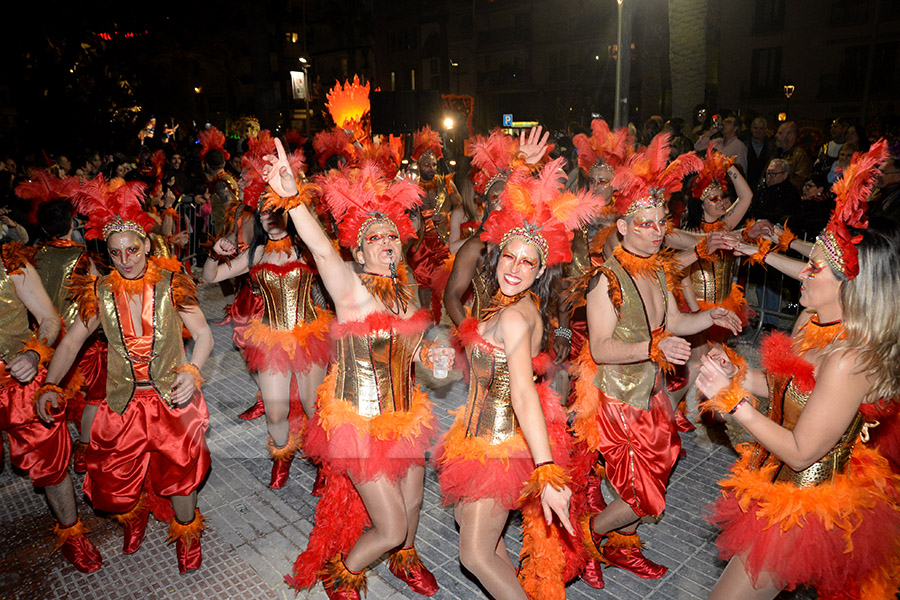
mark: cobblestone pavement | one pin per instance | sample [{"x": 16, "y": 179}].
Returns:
[{"x": 254, "y": 534}]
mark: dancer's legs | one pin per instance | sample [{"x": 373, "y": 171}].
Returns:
[
  {"x": 61, "y": 498},
  {"x": 481, "y": 526},
  {"x": 412, "y": 487},
  {"x": 87, "y": 419},
  {"x": 184, "y": 507},
  {"x": 275, "y": 388},
  {"x": 308, "y": 383},
  {"x": 383, "y": 500},
  {"x": 735, "y": 583}
]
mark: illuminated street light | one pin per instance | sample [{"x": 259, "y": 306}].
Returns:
[
  {"x": 197, "y": 89},
  {"x": 788, "y": 92},
  {"x": 448, "y": 122}
]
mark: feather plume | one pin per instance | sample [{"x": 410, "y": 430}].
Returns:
[
  {"x": 427, "y": 139},
  {"x": 101, "y": 202},
  {"x": 212, "y": 139}
]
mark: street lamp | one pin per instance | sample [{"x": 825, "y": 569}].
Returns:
[
  {"x": 623, "y": 63},
  {"x": 304, "y": 64},
  {"x": 788, "y": 92}
]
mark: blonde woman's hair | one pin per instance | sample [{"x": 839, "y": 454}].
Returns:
[{"x": 870, "y": 311}]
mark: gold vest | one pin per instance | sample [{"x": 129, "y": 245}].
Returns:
[
  {"x": 287, "y": 297},
  {"x": 480, "y": 297},
  {"x": 168, "y": 347},
  {"x": 55, "y": 265},
  {"x": 631, "y": 383},
  {"x": 711, "y": 279},
  {"x": 786, "y": 404},
  {"x": 14, "y": 330},
  {"x": 489, "y": 412},
  {"x": 374, "y": 372}
]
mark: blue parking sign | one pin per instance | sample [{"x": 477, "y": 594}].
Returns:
[{"x": 507, "y": 120}]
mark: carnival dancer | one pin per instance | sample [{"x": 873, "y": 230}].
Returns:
[
  {"x": 621, "y": 407},
  {"x": 41, "y": 451},
  {"x": 427, "y": 255},
  {"x": 811, "y": 502},
  {"x": 373, "y": 424},
  {"x": 289, "y": 341},
  {"x": 512, "y": 433},
  {"x": 147, "y": 439}
]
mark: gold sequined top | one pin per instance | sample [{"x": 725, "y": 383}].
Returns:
[
  {"x": 489, "y": 412},
  {"x": 373, "y": 362},
  {"x": 711, "y": 279},
  {"x": 786, "y": 404},
  {"x": 14, "y": 329},
  {"x": 55, "y": 265},
  {"x": 286, "y": 291}
]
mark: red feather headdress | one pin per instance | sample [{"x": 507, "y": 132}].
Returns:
[
  {"x": 212, "y": 139},
  {"x": 385, "y": 154},
  {"x": 541, "y": 212},
  {"x": 357, "y": 198},
  {"x": 851, "y": 193},
  {"x": 333, "y": 142},
  {"x": 493, "y": 158},
  {"x": 427, "y": 140},
  {"x": 604, "y": 147},
  {"x": 253, "y": 161},
  {"x": 647, "y": 180},
  {"x": 44, "y": 186},
  {"x": 113, "y": 207},
  {"x": 712, "y": 176}
]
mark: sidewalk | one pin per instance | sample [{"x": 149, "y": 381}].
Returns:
[{"x": 254, "y": 534}]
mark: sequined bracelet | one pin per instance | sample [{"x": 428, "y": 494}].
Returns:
[
  {"x": 563, "y": 332},
  {"x": 733, "y": 395},
  {"x": 543, "y": 475},
  {"x": 657, "y": 355},
  {"x": 61, "y": 398},
  {"x": 194, "y": 370}
]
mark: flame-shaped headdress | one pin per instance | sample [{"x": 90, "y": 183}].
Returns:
[
  {"x": 604, "y": 149},
  {"x": 44, "y": 186},
  {"x": 712, "y": 177},
  {"x": 539, "y": 211},
  {"x": 212, "y": 139},
  {"x": 113, "y": 207},
  {"x": 647, "y": 179},
  {"x": 348, "y": 104},
  {"x": 851, "y": 193},
  {"x": 358, "y": 198},
  {"x": 427, "y": 140},
  {"x": 253, "y": 161}
]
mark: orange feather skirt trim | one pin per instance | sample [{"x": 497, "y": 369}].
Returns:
[{"x": 287, "y": 350}]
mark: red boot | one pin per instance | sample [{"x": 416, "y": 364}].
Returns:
[
  {"x": 78, "y": 450},
  {"x": 77, "y": 548},
  {"x": 624, "y": 551},
  {"x": 255, "y": 411},
  {"x": 187, "y": 542},
  {"x": 592, "y": 574},
  {"x": 407, "y": 566},
  {"x": 135, "y": 522},
  {"x": 340, "y": 582},
  {"x": 282, "y": 459}
]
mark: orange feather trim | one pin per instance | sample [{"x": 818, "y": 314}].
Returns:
[
  {"x": 735, "y": 302},
  {"x": 784, "y": 240},
  {"x": 458, "y": 446},
  {"x": 195, "y": 373},
  {"x": 638, "y": 266},
  {"x": 729, "y": 397},
  {"x": 44, "y": 352},
  {"x": 763, "y": 247},
  {"x": 133, "y": 514},
  {"x": 184, "y": 291},
  {"x": 287, "y": 451},
  {"x": 189, "y": 532},
  {"x": 63, "y": 534},
  {"x": 134, "y": 287},
  {"x": 547, "y": 474},
  {"x": 702, "y": 250},
  {"x": 334, "y": 412},
  {"x": 291, "y": 341},
  {"x": 15, "y": 256},
  {"x": 586, "y": 405},
  {"x": 337, "y": 577},
  {"x": 543, "y": 562},
  {"x": 614, "y": 288},
  {"x": 391, "y": 291},
  {"x": 404, "y": 558},
  {"x": 62, "y": 398},
  {"x": 304, "y": 196},
  {"x": 82, "y": 287},
  {"x": 815, "y": 336},
  {"x": 283, "y": 245},
  {"x": 587, "y": 538},
  {"x": 657, "y": 356},
  {"x": 171, "y": 212},
  {"x": 867, "y": 482},
  {"x": 618, "y": 540}
]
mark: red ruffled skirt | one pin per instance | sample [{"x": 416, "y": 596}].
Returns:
[
  {"x": 842, "y": 537},
  {"x": 366, "y": 448},
  {"x": 241, "y": 312},
  {"x": 287, "y": 351},
  {"x": 41, "y": 450}
]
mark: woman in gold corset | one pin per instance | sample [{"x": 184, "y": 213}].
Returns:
[
  {"x": 290, "y": 340},
  {"x": 508, "y": 448},
  {"x": 811, "y": 503},
  {"x": 373, "y": 424}
]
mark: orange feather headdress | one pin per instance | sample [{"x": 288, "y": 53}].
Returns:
[
  {"x": 253, "y": 161},
  {"x": 647, "y": 179},
  {"x": 212, "y": 139},
  {"x": 427, "y": 140},
  {"x": 541, "y": 212},
  {"x": 333, "y": 142},
  {"x": 712, "y": 176},
  {"x": 493, "y": 159},
  {"x": 113, "y": 207},
  {"x": 44, "y": 186},
  {"x": 604, "y": 147},
  {"x": 358, "y": 198},
  {"x": 851, "y": 193}
]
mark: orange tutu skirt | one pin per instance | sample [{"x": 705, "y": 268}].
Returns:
[{"x": 287, "y": 351}]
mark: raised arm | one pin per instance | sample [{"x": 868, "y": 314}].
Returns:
[
  {"x": 215, "y": 271},
  {"x": 737, "y": 210}
]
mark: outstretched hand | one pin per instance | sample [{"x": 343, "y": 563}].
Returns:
[
  {"x": 713, "y": 376},
  {"x": 726, "y": 319},
  {"x": 535, "y": 145},
  {"x": 277, "y": 172},
  {"x": 557, "y": 501}
]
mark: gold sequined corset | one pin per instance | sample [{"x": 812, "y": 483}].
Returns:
[
  {"x": 787, "y": 403},
  {"x": 374, "y": 370},
  {"x": 286, "y": 294},
  {"x": 489, "y": 412},
  {"x": 711, "y": 279}
]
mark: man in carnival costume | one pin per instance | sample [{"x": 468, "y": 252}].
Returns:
[
  {"x": 622, "y": 410},
  {"x": 147, "y": 439},
  {"x": 42, "y": 451}
]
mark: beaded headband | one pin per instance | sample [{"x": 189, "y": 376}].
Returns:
[
  {"x": 655, "y": 199},
  {"x": 710, "y": 190},
  {"x": 120, "y": 225},
  {"x": 831, "y": 248},
  {"x": 530, "y": 236},
  {"x": 373, "y": 220}
]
